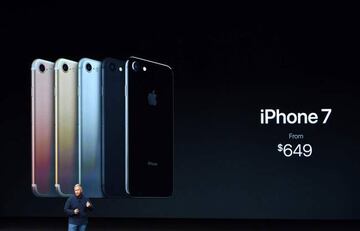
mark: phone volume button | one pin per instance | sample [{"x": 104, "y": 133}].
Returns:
[{"x": 126, "y": 90}]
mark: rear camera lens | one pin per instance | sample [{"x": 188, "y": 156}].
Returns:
[
  {"x": 136, "y": 66},
  {"x": 65, "y": 67},
  {"x": 112, "y": 67},
  {"x": 42, "y": 67},
  {"x": 88, "y": 67}
]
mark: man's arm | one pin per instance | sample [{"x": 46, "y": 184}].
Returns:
[{"x": 67, "y": 208}]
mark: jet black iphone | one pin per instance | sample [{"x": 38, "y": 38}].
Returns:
[
  {"x": 113, "y": 127},
  {"x": 149, "y": 128}
]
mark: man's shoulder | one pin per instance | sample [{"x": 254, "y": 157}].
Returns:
[
  {"x": 71, "y": 197},
  {"x": 85, "y": 198}
]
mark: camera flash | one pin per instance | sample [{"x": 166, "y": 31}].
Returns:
[
  {"x": 120, "y": 69},
  {"x": 144, "y": 68}
]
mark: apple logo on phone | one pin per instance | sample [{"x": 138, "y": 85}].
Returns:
[{"x": 152, "y": 98}]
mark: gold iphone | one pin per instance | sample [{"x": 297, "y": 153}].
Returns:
[{"x": 66, "y": 126}]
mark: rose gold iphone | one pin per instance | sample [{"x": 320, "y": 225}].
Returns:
[{"x": 42, "y": 101}]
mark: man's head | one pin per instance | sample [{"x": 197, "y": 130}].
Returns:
[{"x": 78, "y": 190}]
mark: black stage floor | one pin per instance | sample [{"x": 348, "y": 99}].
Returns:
[{"x": 105, "y": 224}]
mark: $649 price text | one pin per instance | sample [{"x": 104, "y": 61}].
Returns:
[{"x": 300, "y": 150}]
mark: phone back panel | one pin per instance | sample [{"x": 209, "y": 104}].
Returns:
[
  {"x": 66, "y": 140},
  {"x": 113, "y": 111},
  {"x": 43, "y": 157},
  {"x": 149, "y": 129},
  {"x": 89, "y": 108}
]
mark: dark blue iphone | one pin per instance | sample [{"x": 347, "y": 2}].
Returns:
[{"x": 113, "y": 121}]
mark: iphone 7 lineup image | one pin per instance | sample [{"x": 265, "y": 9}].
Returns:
[{"x": 107, "y": 125}]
